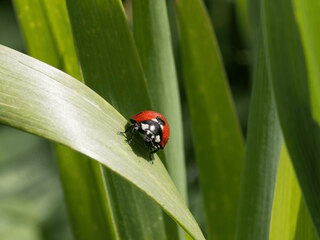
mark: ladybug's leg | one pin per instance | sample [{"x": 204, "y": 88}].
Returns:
[
  {"x": 153, "y": 151},
  {"x": 155, "y": 148},
  {"x": 133, "y": 127},
  {"x": 127, "y": 130},
  {"x": 151, "y": 158},
  {"x": 129, "y": 141},
  {"x": 147, "y": 139}
]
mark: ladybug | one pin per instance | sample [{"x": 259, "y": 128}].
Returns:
[{"x": 153, "y": 127}]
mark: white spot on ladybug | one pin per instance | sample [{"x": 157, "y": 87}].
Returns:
[
  {"x": 144, "y": 126},
  {"x": 157, "y": 139},
  {"x": 152, "y": 128},
  {"x": 150, "y": 134}
]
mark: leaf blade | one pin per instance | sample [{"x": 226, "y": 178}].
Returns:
[
  {"x": 286, "y": 200},
  {"x": 262, "y": 155},
  {"x": 87, "y": 201},
  {"x": 152, "y": 35},
  {"x": 111, "y": 66},
  {"x": 308, "y": 21},
  {"x": 41, "y": 86},
  {"x": 288, "y": 74},
  {"x": 153, "y": 40},
  {"x": 211, "y": 105}
]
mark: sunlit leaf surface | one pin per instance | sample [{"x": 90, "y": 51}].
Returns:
[{"x": 40, "y": 99}]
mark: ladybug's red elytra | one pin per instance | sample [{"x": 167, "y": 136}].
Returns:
[{"x": 153, "y": 127}]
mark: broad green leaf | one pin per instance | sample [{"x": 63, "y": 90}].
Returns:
[
  {"x": 41, "y": 23},
  {"x": 109, "y": 59},
  {"x": 153, "y": 40},
  {"x": 290, "y": 219},
  {"x": 152, "y": 35},
  {"x": 308, "y": 21},
  {"x": 42, "y": 100},
  {"x": 217, "y": 135},
  {"x": 85, "y": 195},
  {"x": 35, "y": 26},
  {"x": 286, "y": 203},
  {"x": 304, "y": 229},
  {"x": 262, "y": 156},
  {"x": 131, "y": 209},
  {"x": 84, "y": 188},
  {"x": 110, "y": 66},
  {"x": 288, "y": 74}
]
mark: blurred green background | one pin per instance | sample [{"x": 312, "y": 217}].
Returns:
[{"x": 31, "y": 198}]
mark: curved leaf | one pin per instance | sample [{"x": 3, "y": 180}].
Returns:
[
  {"x": 308, "y": 20},
  {"x": 288, "y": 73},
  {"x": 217, "y": 134},
  {"x": 286, "y": 203},
  {"x": 47, "y": 102},
  {"x": 82, "y": 180},
  {"x": 262, "y": 156},
  {"x": 110, "y": 65},
  {"x": 152, "y": 37}
]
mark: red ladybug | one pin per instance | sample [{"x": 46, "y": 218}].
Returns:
[{"x": 153, "y": 127}]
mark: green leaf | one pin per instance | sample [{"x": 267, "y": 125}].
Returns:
[
  {"x": 110, "y": 66},
  {"x": 286, "y": 203},
  {"x": 305, "y": 229},
  {"x": 135, "y": 214},
  {"x": 46, "y": 40},
  {"x": 308, "y": 21},
  {"x": 47, "y": 30},
  {"x": 217, "y": 135},
  {"x": 290, "y": 219},
  {"x": 35, "y": 26},
  {"x": 153, "y": 40},
  {"x": 40, "y": 99},
  {"x": 108, "y": 55},
  {"x": 288, "y": 74},
  {"x": 85, "y": 195},
  {"x": 152, "y": 35},
  {"x": 262, "y": 156}
]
